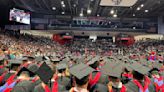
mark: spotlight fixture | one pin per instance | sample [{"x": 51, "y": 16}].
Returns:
[
  {"x": 98, "y": 15},
  {"x": 142, "y": 5},
  {"x": 53, "y": 8},
  {"x": 63, "y": 5},
  {"x": 138, "y": 8},
  {"x": 74, "y": 5},
  {"x": 63, "y": 12},
  {"x": 89, "y": 11},
  {"x": 81, "y": 15},
  {"x": 115, "y": 15},
  {"x": 62, "y": 2},
  {"x": 146, "y": 10},
  {"x": 112, "y": 11}
]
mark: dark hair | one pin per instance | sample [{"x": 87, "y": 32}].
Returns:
[
  {"x": 95, "y": 65},
  {"x": 126, "y": 70},
  {"x": 138, "y": 75},
  {"x": 61, "y": 70},
  {"x": 113, "y": 79},
  {"x": 82, "y": 81},
  {"x": 1, "y": 62}
]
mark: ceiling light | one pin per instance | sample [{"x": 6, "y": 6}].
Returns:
[
  {"x": 74, "y": 5},
  {"x": 53, "y": 8},
  {"x": 142, "y": 5},
  {"x": 138, "y": 8},
  {"x": 134, "y": 15},
  {"x": 115, "y": 15},
  {"x": 146, "y": 10},
  {"x": 81, "y": 14},
  {"x": 112, "y": 11},
  {"x": 89, "y": 11},
  {"x": 62, "y": 2},
  {"x": 63, "y": 12},
  {"x": 134, "y": 27},
  {"x": 63, "y": 5},
  {"x": 98, "y": 15},
  {"x": 92, "y": 0}
]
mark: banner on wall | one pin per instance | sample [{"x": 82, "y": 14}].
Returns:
[{"x": 58, "y": 38}]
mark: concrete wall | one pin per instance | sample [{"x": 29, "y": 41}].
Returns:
[{"x": 78, "y": 33}]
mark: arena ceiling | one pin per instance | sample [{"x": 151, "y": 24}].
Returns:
[{"x": 148, "y": 8}]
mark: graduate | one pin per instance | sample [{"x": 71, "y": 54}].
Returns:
[
  {"x": 13, "y": 68},
  {"x": 63, "y": 79},
  {"x": 157, "y": 80},
  {"x": 96, "y": 76},
  {"x": 81, "y": 77},
  {"x": 23, "y": 83},
  {"x": 45, "y": 74},
  {"x": 140, "y": 82},
  {"x": 113, "y": 70}
]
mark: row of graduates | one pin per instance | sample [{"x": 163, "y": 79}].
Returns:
[{"x": 96, "y": 75}]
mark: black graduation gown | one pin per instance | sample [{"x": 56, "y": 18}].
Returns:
[
  {"x": 39, "y": 88},
  {"x": 37, "y": 82},
  {"x": 99, "y": 88},
  {"x": 23, "y": 86},
  {"x": 65, "y": 81},
  {"x": 116, "y": 89},
  {"x": 2, "y": 70},
  {"x": 103, "y": 78},
  {"x": 131, "y": 87}
]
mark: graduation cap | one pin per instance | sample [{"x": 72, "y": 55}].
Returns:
[
  {"x": 90, "y": 58},
  {"x": 154, "y": 71},
  {"x": 45, "y": 73},
  {"x": 93, "y": 61},
  {"x": 23, "y": 58},
  {"x": 112, "y": 69},
  {"x": 55, "y": 60},
  {"x": 61, "y": 66},
  {"x": 29, "y": 57},
  {"x": 128, "y": 67},
  {"x": 139, "y": 68},
  {"x": 46, "y": 58},
  {"x": 64, "y": 61},
  {"x": 80, "y": 60},
  {"x": 33, "y": 67},
  {"x": 23, "y": 70},
  {"x": 39, "y": 59},
  {"x": 157, "y": 65},
  {"x": 120, "y": 57},
  {"x": 81, "y": 70},
  {"x": 14, "y": 63}
]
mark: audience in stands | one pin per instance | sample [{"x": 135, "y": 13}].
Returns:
[{"x": 38, "y": 64}]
